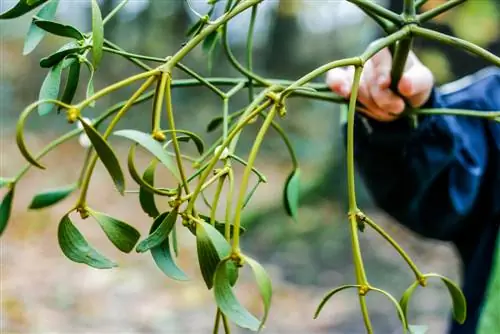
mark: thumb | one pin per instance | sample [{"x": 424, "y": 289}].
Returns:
[{"x": 416, "y": 84}]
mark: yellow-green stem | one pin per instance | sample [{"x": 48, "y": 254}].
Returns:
[
  {"x": 116, "y": 86},
  {"x": 215, "y": 202},
  {"x": 86, "y": 179},
  {"x": 396, "y": 246},
  {"x": 158, "y": 104},
  {"x": 175, "y": 142},
  {"x": 218, "y": 153},
  {"x": 246, "y": 176},
  {"x": 366, "y": 315},
  {"x": 229, "y": 202}
]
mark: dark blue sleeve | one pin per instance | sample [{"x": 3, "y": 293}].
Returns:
[{"x": 431, "y": 177}]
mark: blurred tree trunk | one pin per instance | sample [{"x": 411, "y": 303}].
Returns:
[{"x": 284, "y": 32}]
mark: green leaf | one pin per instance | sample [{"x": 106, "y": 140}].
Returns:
[
  {"x": 58, "y": 29},
  {"x": 208, "y": 256},
  {"x": 6, "y": 209},
  {"x": 146, "y": 198},
  {"x": 106, "y": 155},
  {"x": 77, "y": 249},
  {"x": 221, "y": 226},
  {"x": 457, "y": 296},
  {"x": 196, "y": 28},
  {"x": 35, "y": 34},
  {"x": 71, "y": 82},
  {"x": 330, "y": 295},
  {"x": 291, "y": 194},
  {"x": 161, "y": 232},
  {"x": 227, "y": 301},
  {"x": 50, "y": 89},
  {"x": 150, "y": 144},
  {"x": 264, "y": 284},
  {"x": 405, "y": 299},
  {"x": 163, "y": 257},
  {"x": 122, "y": 235},
  {"x": 97, "y": 34},
  {"x": 223, "y": 249},
  {"x": 200, "y": 145},
  {"x": 211, "y": 41},
  {"x": 90, "y": 84},
  {"x": 67, "y": 49},
  {"x": 51, "y": 197},
  {"x": 215, "y": 124},
  {"x": 21, "y": 8}
]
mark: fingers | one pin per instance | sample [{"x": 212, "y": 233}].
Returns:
[
  {"x": 340, "y": 81},
  {"x": 416, "y": 84},
  {"x": 380, "y": 102}
]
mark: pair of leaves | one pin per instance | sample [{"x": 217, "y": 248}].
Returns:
[
  {"x": 21, "y": 8},
  {"x": 106, "y": 154},
  {"x": 212, "y": 248},
  {"x": 291, "y": 194},
  {"x": 457, "y": 297},
  {"x": 150, "y": 144},
  {"x": 399, "y": 309},
  {"x": 229, "y": 304},
  {"x": 77, "y": 249},
  {"x": 161, "y": 253}
]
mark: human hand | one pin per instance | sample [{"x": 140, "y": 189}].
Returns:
[{"x": 380, "y": 102}]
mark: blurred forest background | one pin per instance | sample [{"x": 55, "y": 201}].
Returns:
[{"x": 43, "y": 292}]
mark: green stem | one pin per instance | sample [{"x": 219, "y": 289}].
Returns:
[
  {"x": 246, "y": 176},
  {"x": 229, "y": 201},
  {"x": 86, "y": 179},
  {"x": 235, "y": 89},
  {"x": 215, "y": 202},
  {"x": 114, "y": 11},
  {"x": 116, "y": 86},
  {"x": 403, "y": 49},
  {"x": 409, "y": 9},
  {"x": 353, "y": 207},
  {"x": 378, "y": 10},
  {"x": 261, "y": 176},
  {"x": 71, "y": 134},
  {"x": 456, "y": 42},
  {"x": 133, "y": 55},
  {"x": 225, "y": 117},
  {"x": 394, "y": 244},
  {"x": 207, "y": 184},
  {"x": 217, "y": 154},
  {"x": 158, "y": 104},
  {"x": 201, "y": 79},
  {"x": 430, "y": 14},
  {"x": 217, "y": 322},
  {"x": 227, "y": 329},
  {"x": 366, "y": 316},
  {"x": 175, "y": 142},
  {"x": 386, "y": 25},
  {"x": 458, "y": 112},
  {"x": 133, "y": 60},
  {"x": 251, "y": 30}
]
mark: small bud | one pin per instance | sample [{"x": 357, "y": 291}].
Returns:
[
  {"x": 159, "y": 136},
  {"x": 72, "y": 115},
  {"x": 282, "y": 111},
  {"x": 224, "y": 154}
]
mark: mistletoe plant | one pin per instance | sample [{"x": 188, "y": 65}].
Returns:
[{"x": 217, "y": 240}]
